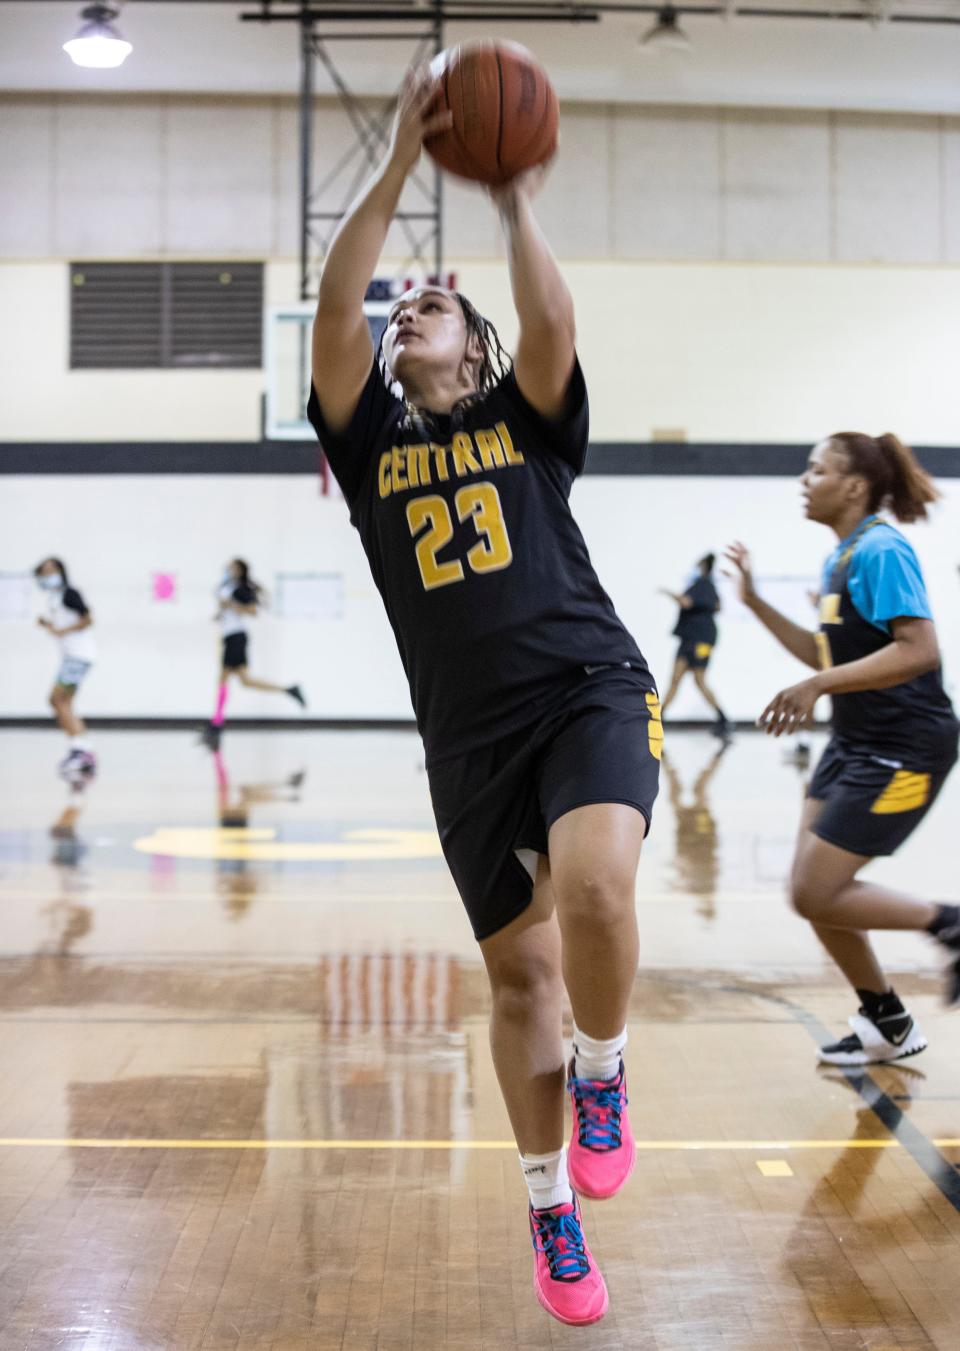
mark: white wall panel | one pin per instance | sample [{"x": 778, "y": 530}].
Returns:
[
  {"x": 470, "y": 228},
  {"x": 575, "y": 202},
  {"x": 666, "y": 183},
  {"x": 219, "y": 190},
  {"x": 888, "y": 189},
  {"x": 776, "y": 185},
  {"x": 950, "y": 162},
  {"x": 26, "y": 179},
  {"x": 198, "y": 177},
  {"x": 110, "y": 179}
]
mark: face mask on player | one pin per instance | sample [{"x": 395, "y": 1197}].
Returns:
[{"x": 51, "y": 581}]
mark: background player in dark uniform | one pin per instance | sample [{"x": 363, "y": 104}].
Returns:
[
  {"x": 539, "y": 716},
  {"x": 696, "y": 627},
  {"x": 238, "y": 600},
  {"x": 894, "y": 731}
]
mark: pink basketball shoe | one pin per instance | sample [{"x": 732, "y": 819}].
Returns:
[
  {"x": 602, "y": 1150},
  {"x": 565, "y": 1276}
]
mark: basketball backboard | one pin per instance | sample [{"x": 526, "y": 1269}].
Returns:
[{"x": 286, "y": 357}]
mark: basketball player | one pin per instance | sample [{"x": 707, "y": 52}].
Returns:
[
  {"x": 894, "y": 731},
  {"x": 696, "y": 627},
  {"x": 69, "y": 621},
  {"x": 540, "y": 719},
  {"x": 238, "y": 600}
]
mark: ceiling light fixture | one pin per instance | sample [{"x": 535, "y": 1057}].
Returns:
[
  {"x": 98, "y": 44},
  {"x": 666, "y": 35}
]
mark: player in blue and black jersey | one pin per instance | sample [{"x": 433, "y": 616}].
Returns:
[
  {"x": 539, "y": 716},
  {"x": 894, "y": 730}
]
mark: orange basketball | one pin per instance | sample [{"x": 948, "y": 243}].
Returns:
[{"x": 504, "y": 111}]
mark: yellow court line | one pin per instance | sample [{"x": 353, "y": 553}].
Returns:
[{"x": 21, "y": 1142}]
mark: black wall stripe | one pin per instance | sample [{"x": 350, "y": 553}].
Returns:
[{"x": 644, "y": 458}]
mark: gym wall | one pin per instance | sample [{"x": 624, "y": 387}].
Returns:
[
  {"x": 742, "y": 276},
  {"x": 159, "y": 659}
]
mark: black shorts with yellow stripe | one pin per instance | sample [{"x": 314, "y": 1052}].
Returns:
[
  {"x": 495, "y": 806},
  {"x": 871, "y": 801},
  {"x": 694, "y": 653}
]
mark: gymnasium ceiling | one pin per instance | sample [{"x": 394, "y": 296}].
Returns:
[{"x": 735, "y": 59}]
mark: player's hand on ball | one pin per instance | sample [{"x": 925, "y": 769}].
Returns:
[
  {"x": 526, "y": 184},
  {"x": 44, "y": 623},
  {"x": 741, "y": 571},
  {"x": 415, "y": 119},
  {"x": 791, "y": 709}
]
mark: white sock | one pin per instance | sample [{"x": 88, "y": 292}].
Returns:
[
  {"x": 546, "y": 1178},
  {"x": 593, "y": 1059},
  {"x": 79, "y": 743}
]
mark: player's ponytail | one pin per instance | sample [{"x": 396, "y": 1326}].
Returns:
[
  {"x": 912, "y": 490},
  {"x": 707, "y": 562},
  {"x": 245, "y": 579},
  {"x": 897, "y": 481}
]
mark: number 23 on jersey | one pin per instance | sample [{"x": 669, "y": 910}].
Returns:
[{"x": 431, "y": 525}]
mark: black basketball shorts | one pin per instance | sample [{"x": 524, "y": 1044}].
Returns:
[
  {"x": 871, "y": 801},
  {"x": 601, "y": 743},
  {"x": 234, "y": 651},
  {"x": 695, "y": 654}
]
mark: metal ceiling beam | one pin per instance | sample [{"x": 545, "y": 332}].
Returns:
[{"x": 502, "y": 11}]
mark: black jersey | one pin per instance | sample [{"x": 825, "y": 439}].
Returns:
[
  {"x": 913, "y": 723},
  {"x": 696, "y": 623},
  {"x": 484, "y": 573}
]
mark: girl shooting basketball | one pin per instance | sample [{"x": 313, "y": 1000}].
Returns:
[
  {"x": 894, "y": 731},
  {"x": 539, "y": 716}
]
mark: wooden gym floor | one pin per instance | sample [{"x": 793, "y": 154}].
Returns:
[{"x": 248, "y": 1103}]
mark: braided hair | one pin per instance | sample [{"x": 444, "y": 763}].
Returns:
[{"x": 495, "y": 363}]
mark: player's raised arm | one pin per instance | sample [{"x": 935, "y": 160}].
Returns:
[
  {"x": 342, "y": 350},
  {"x": 801, "y": 642},
  {"x": 545, "y": 346}
]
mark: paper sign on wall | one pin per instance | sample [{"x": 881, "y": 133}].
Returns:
[
  {"x": 16, "y": 595},
  {"x": 310, "y": 595},
  {"x": 792, "y": 596}
]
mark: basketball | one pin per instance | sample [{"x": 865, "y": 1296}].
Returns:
[{"x": 504, "y": 109}]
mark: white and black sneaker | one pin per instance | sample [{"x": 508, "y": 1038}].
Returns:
[
  {"x": 79, "y": 764},
  {"x": 876, "y": 1039}
]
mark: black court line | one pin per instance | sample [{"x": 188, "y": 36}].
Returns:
[
  {"x": 925, "y": 1154},
  {"x": 944, "y": 1175}
]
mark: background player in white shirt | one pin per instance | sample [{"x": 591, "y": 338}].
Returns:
[
  {"x": 239, "y": 598},
  {"x": 69, "y": 621}
]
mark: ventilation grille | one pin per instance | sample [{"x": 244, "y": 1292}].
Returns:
[{"x": 129, "y": 315}]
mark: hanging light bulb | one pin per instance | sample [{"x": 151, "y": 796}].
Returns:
[
  {"x": 98, "y": 44},
  {"x": 666, "y": 34}
]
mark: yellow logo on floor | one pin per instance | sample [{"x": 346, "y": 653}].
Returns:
[
  {"x": 262, "y": 846},
  {"x": 904, "y": 793}
]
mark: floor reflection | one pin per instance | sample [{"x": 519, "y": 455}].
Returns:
[
  {"x": 238, "y": 882},
  {"x": 696, "y": 864},
  {"x": 69, "y": 918},
  {"x": 350, "y": 1006}
]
